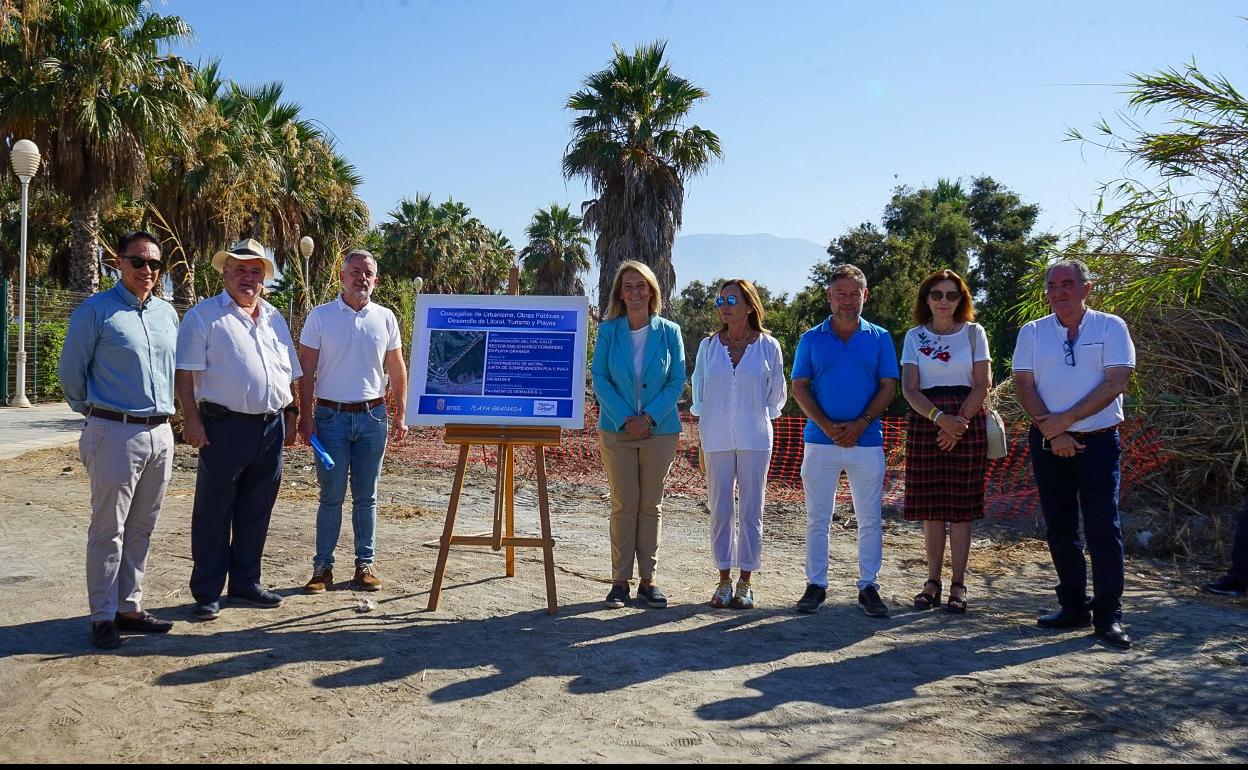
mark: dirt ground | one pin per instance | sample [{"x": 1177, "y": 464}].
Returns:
[{"x": 490, "y": 676}]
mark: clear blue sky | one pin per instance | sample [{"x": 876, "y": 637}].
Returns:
[{"x": 822, "y": 107}]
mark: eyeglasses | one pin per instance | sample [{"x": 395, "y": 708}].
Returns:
[
  {"x": 730, "y": 299},
  {"x": 1069, "y": 347},
  {"x": 953, "y": 296},
  {"x": 155, "y": 265}
]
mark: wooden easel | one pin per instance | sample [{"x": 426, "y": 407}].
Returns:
[{"x": 505, "y": 439}]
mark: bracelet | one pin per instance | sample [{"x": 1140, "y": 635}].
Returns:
[
  {"x": 931, "y": 413},
  {"x": 939, "y": 414}
]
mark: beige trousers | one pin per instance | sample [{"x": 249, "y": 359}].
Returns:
[
  {"x": 637, "y": 470},
  {"x": 129, "y": 466}
]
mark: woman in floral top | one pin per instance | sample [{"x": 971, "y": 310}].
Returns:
[{"x": 945, "y": 376}]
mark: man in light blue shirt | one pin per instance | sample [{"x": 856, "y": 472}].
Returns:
[
  {"x": 844, "y": 376},
  {"x": 117, "y": 370}
]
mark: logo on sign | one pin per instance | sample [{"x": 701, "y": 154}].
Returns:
[
  {"x": 441, "y": 404},
  {"x": 546, "y": 408}
]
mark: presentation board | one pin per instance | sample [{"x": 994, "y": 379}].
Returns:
[{"x": 498, "y": 360}]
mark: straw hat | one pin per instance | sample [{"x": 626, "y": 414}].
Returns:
[{"x": 246, "y": 249}]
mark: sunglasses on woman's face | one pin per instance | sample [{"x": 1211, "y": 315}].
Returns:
[
  {"x": 730, "y": 300},
  {"x": 155, "y": 265},
  {"x": 936, "y": 295}
]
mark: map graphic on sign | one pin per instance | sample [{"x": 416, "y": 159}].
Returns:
[{"x": 456, "y": 362}]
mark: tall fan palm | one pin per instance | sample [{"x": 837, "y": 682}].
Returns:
[
  {"x": 557, "y": 253},
  {"x": 86, "y": 80},
  {"x": 630, "y": 143}
]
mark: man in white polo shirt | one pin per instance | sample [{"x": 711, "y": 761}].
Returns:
[
  {"x": 1070, "y": 371},
  {"x": 236, "y": 365},
  {"x": 348, "y": 346}
]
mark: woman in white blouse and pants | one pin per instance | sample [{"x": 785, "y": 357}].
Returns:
[{"x": 739, "y": 387}]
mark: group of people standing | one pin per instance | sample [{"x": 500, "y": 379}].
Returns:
[
  {"x": 233, "y": 366},
  {"x": 1071, "y": 369}
]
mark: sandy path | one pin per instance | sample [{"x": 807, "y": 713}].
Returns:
[{"x": 491, "y": 676}]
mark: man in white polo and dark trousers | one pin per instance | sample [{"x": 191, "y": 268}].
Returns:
[
  {"x": 348, "y": 346},
  {"x": 117, "y": 369},
  {"x": 1070, "y": 371},
  {"x": 236, "y": 368}
]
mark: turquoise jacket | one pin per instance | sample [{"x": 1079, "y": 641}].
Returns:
[{"x": 662, "y": 375}]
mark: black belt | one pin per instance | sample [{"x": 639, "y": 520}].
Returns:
[
  {"x": 357, "y": 406},
  {"x": 1080, "y": 435},
  {"x": 122, "y": 417},
  {"x": 209, "y": 409}
]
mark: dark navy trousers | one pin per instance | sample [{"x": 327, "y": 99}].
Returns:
[
  {"x": 1086, "y": 486},
  {"x": 1239, "y": 549},
  {"x": 240, "y": 472}
]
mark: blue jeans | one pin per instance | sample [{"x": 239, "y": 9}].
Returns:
[
  {"x": 1085, "y": 484},
  {"x": 357, "y": 442},
  {"x": 240, "y": 471}
]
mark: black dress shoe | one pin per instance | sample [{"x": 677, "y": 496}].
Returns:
[
  {"x": 145, "y": 623},
  {"x": 1065, "y": 619},
  {"x": 256, "y": 597},
  {"x": 1114, "y": 635},
  {"x": 104, "y": 635}
]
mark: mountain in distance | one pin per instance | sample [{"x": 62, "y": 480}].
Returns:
[{"x": 780, "y": 264}]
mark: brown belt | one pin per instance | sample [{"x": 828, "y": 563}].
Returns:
[
  {"x": 358, "y": 406},
  {"x": 159, "y": 419}
]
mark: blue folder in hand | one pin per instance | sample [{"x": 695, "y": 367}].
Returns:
[{"x": 321, "y": 454}]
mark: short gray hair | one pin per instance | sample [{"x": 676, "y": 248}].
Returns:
[
  {"x": 848, "y": 271},
  {"x": 1077, "y": 265},
  {"x": 355, "y": 253}
]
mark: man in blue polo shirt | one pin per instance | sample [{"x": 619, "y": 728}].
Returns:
[{"x": 844, "y": 375}]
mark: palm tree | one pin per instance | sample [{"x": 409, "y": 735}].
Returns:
[
  {"x": 453, "y": 251},
  {"x": 557, "y": 253},
  {"x": 631, "y": 144},
  {"x": 85, "y": 79}
]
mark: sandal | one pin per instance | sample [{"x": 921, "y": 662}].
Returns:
[
  {"x": 956, "y": 604},
  {"x": 925, "y": 601}
]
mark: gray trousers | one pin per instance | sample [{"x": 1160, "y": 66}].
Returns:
[{"x": 129, "y": 466}]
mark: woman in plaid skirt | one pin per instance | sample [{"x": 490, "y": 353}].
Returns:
[{"x": 945, "y": 375}]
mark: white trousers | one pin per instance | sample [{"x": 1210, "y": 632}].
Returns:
[
  {"x": 821, "y": 473},
  {"x": 737, "y": 524},
  {"x": 129, "y": 466}
]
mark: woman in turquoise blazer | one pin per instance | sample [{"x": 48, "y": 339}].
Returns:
[{"x": 639, "y": 374}]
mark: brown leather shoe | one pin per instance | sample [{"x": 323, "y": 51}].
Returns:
[
  {"x": 322, "y": 579},
  {"x": 365, "y": 579}
]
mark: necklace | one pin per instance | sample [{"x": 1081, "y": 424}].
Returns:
[
  {"x": 951, "y": 330},
  {"x": 734, "y": 339}
]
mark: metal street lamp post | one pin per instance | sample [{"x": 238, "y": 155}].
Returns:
[
  {"x": 25, "y": 159},
  {"x": 306, "y": 245}
]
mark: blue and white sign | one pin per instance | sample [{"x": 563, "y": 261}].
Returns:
[{"x": 498, "y": 360}]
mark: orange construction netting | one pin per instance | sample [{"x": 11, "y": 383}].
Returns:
[{"x": 1010, "y": 491}]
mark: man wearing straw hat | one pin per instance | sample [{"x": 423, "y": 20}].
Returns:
[
  {"x": 235, "y": 370},
  {"x": 347, "y": 347},
  {"x": 1070, "y": 371},
  {"x": 117, "y": 370}
]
